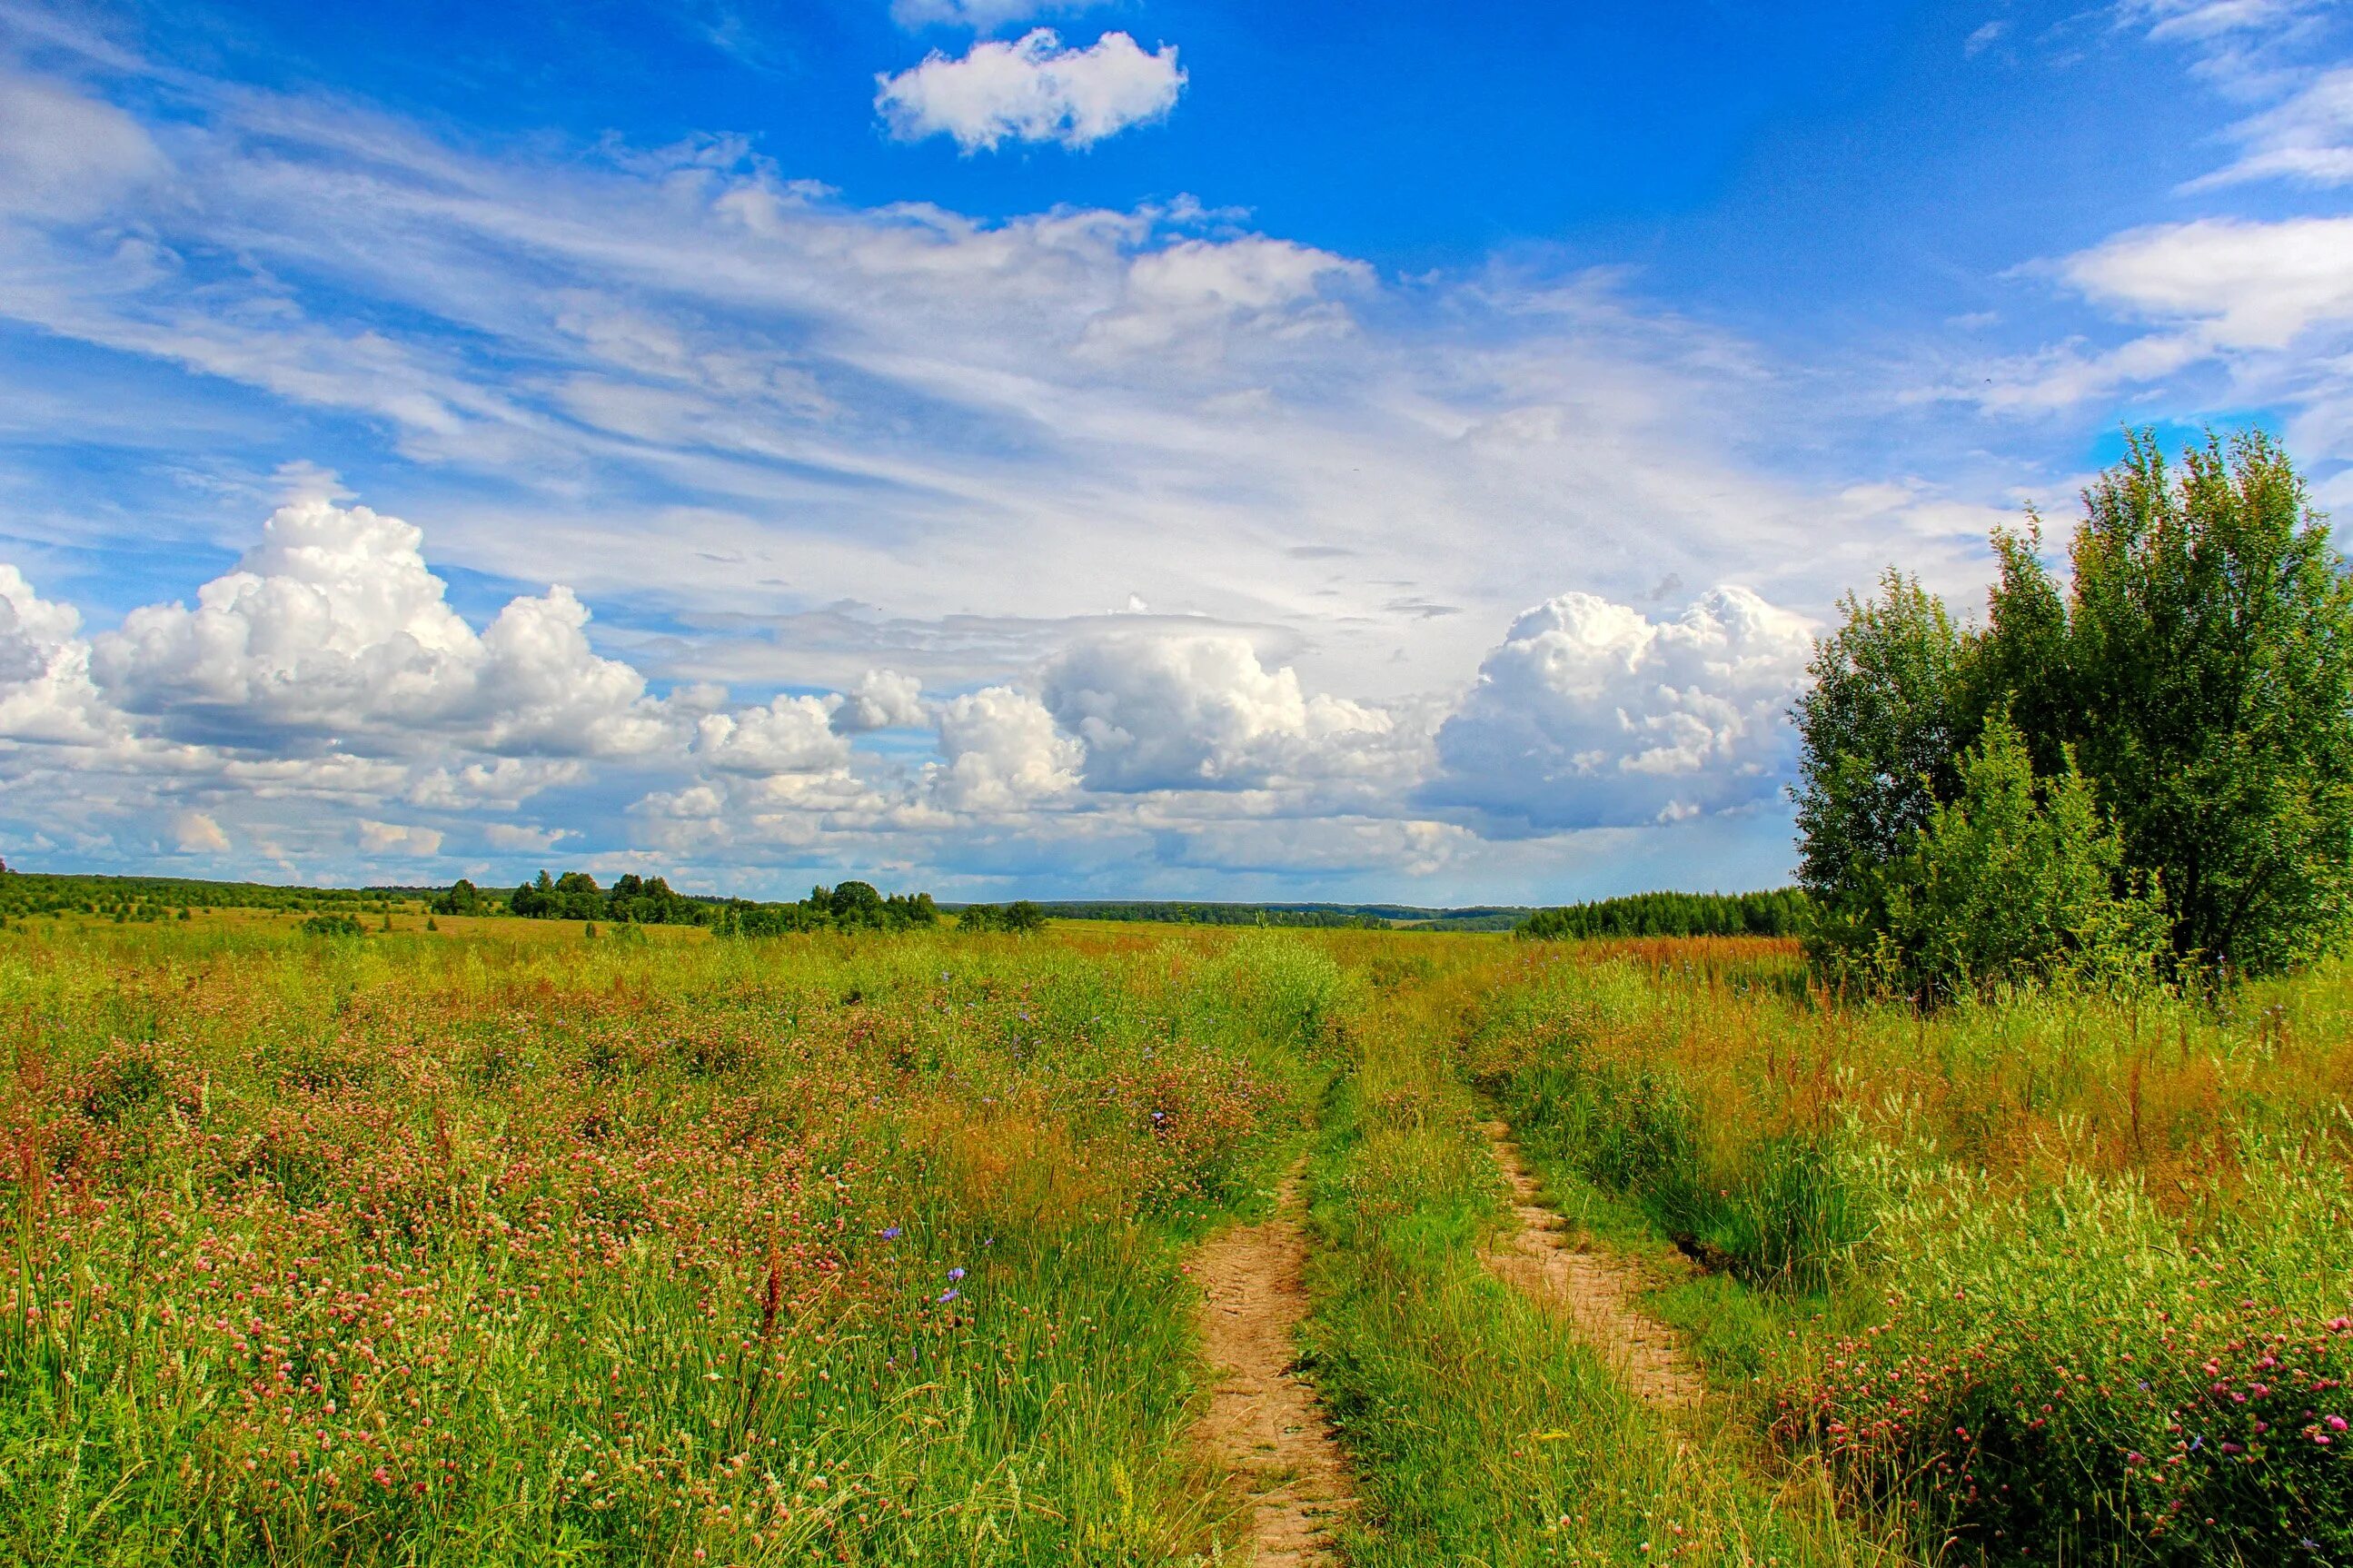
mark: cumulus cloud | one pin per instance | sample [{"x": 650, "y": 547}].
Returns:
[
  {"x": 1590, "y": 714},
  {"x": 999, "y": 751},
  {"x": 196, "y": 833},
  {"x": 328, "y": 668},
  {"x": 1199, "y": 712},
  {"x": 790, "y": 735},
  {"x": 398, "y": 838},
  {"x": 45, "y": 695},
  {"x": 517, "y": 838},
  {"x": 333, "y": 628},
  {"x": 1031, "y": 89},
  {"x": 881, "y": 699}
]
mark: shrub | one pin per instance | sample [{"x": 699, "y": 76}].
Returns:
[
  {"x": 2070, "y": 1376},
  {"x": 1020, "y": 917},
  {"x": 2014, "y": 880},
  {"x": 324, "y": 925}
]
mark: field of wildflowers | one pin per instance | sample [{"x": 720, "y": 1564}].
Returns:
[
  {"x": 487, "y": 1245},
  {"x": 499, "y": 1242},
  {"x": 2049, "y": 1278}
]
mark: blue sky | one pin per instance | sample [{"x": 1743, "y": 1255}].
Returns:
[{"x": 1174, "y": 450}]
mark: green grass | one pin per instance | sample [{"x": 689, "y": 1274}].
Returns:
[
  {"x": 423, "y": 1249},
  {"x": 2055, "y": 1277},
  {"x": 494, "y": 1244},
  {"x": 1483, "y": 1431}
]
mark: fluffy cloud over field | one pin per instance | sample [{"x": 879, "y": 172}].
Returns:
[
  {"x": 45, "y": 695},
  {"x": 1590, "y": 714},
  {"x": 1000, "y": 750},
  {"x": 332, "y": 626},
  {"x": 326, "y": 691},
  {"x": 1176, "y": 712}
]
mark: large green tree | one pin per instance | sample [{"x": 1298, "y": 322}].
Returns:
[
  {"x": 2197, "y": 665},
  {"x": 2200, "y": 663},
  {"x": 2018, "y": 879},
  {"x": 1882, "y": 731}
]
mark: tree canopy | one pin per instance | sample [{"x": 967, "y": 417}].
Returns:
[
  {"x": 1779, "y": 913},
  {"x": 2191, "y": 681}
]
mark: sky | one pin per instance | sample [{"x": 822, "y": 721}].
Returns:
[{"x": 1162, "y": 448}]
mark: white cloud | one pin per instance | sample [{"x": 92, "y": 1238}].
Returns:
[
  {"x": 66, "y": 156},
  {"x": 45, "y": 695},
  {"x": 790, "y": 735},
  {"x": 2308, "y": 139},
  {"x": 881, "y": 699},
  {"x": 1591, "y": 714},
  {"x": 196, "y": 833},
  {"x": 1000, "y": 751},
  {"x": 2264, "y": 297},
  {"x": 2244, "y": 284},
  {"x": 517, "y": 838},
  {"x": 1188, "y": 296},
  {"x": 496, "y": 783},
  {"x": 1177, "y": 712},
  {"x": 397, "y": 839},
  {"x": 2206, "y": 20},
  {"x": 1031, "y": 89},
  {"x": 333, "y": 628}
]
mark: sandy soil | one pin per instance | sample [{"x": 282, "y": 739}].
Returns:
[
  {"x": 1263, "y": 1424},
  {"x": 1596, "y": 1292}
]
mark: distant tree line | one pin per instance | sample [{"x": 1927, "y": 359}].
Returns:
[
  {"x": 1217, "y": 915},
  {"x": 1019, "y": 917},
  {"x": 2145, "y": 768},
  {"x": 1782, "y": 913},
  {"x": 28, "y": 893},
  {"x": 633, "y": 900},
  {"x": 846, "y": 906}
]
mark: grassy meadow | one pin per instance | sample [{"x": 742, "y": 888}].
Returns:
[
  {"x": 2047, "y": 1278},
  {"x": 499, "y": 1242}
]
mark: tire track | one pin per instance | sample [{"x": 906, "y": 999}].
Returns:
[
  {"x": 1597, "y": 1292},
  {"x": 1263, "y": 1424}
]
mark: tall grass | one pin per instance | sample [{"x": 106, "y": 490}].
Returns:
[
  {"x": 476, "y": 1247},
  {"x": 2064, "y": 1239},
  {"x": 1483, "y": 1429}
]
